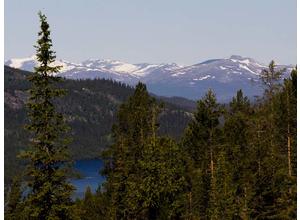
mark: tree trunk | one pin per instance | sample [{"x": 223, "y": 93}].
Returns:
[
  {"x": 211, "y": 164},
  {"x": 190, "y": 206},
  {"x": 288, "y": 135}
]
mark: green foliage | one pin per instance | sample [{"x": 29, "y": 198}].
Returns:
[
  {"x": 144, "y": 172},
  {"x": 271, "y": 78},
  {"x": 239, "y": 153},
  {"x": 244, "y": 168},
  {"x": 89, "y": 107},
  {"x": 285, "y": 114},
  {"x": 13, "y": 204},
  {"x": 201, "y": 144},
  {"x": 92, "y": 206},
  {"x": 49, "y": 193},
  {"x": 273, "y": 180}
]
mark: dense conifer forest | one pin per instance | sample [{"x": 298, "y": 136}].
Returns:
[
  {"x": 237, "y": 162},
  {"x": 90, "y": 108}
]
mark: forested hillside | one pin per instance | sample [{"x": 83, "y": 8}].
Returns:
[
  {"x": 237, "y": 162},
  {"x": 90, "y": 108},
  {"x": 240, "y": 167}
]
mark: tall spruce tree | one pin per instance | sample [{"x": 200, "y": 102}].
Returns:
[
  {"x": 238, "y": 153},
  {"x": 201, "y": 146},
  {"x": 49, "y": 192},
  {"x": 286, "y": 120},
  {"x": 144, "y": 172},
  {"x": 285, "y": 134},
  {"x": 269, "y": 169},
  {"x": 121, "y": 159}
]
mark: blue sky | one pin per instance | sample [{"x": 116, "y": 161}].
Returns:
[{"x": 184, "y": 32}]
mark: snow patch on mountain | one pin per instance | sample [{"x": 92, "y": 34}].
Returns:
[
  {"x": 125, "y": 67},
  {"x": 18, "y": 63},
  {"x": 203, "y": 78},
  {"x": 246, "y": 68}
]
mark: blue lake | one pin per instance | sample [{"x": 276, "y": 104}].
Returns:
[{"x": 89, "y": 170}]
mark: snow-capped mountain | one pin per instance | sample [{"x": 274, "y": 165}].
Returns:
[
  {"x": 30, "y": 62},
  {"x": 224, "y": 76}
]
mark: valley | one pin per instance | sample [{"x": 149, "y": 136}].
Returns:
[{"x": 90, "y": 110}]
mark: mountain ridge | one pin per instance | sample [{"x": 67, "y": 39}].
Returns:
[{"x": 225, "y": 75}]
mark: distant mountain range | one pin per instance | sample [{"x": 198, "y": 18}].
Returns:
[{"x": 224, "y": 76}]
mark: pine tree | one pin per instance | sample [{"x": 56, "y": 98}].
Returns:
[
  {"x": 49, "y": 192},
  {"x": 201, "y": 146},
  {"x": 285, "y": 135},
  {"x": 286, "y": 120},
  {"x": 144, "y": 174},
  {"x": 121, "y": 159},
  {"x": 269, "y": 170},
  {"x": 239, "y": 153},
  {"x": 271, "y": 79}
]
